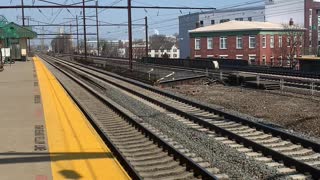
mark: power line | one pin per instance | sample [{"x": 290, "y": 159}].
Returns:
[{"x": 99, "y": 7}]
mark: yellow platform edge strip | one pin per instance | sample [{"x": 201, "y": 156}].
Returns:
[{"x": 76, "y": 150}]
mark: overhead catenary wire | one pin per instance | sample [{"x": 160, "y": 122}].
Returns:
[
  {"x": 225, "y": 8},
  {"x": 165, "y": 24},
  {"x": 168, "y": 28}
]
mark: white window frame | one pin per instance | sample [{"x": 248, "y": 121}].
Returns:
[
  {"x": 225, "y": 40},
  {"x": 197, "y": 43},
  {"x": 210, "y": 56},
  {"x": 272, "y": 60},
  {"x": 239, "y": 56},
  {"x": 209, "y": 39},
  {"x": 250, "y": 56},
  {"x": 280, "y": 41},
  {"x": 271, "y": 41},
  {"x": 264, "y": 41},
  {"x": 264, "y": 60},
  {"x": 237, "y": 42},
  {"x": 197, "y": 56},
  {"x": 255, "y": 42},
  {"x": 281, "y": 60},
  {"x": 223, "y": 56}
]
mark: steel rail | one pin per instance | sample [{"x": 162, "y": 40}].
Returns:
[
  {"x": 284, "y": 135},
  {"x": 289, "y": 73},
  {"x": 120, "y": 157},
  {"x": 184, "y": 160},
  {"x": 210, "y": 70},
  {"x": 302, "y": 74},
  {"x": 288, "y": 161},
  {"x": 289, "y": 81}
]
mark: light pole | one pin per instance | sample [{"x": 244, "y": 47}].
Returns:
[
  {"x": 147, "y": 36},
  {"x": 22, "y": 9},
  {"x": 130, "y": 34},
  {"x": 84, "y": 28},
  {"x": 97, "y": 22},
  {"x": 77, "y": 23}
]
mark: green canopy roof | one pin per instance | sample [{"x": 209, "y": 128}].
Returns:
[
  {"x": 3, "y": 21},
  {"x": 14, "y": 31}
]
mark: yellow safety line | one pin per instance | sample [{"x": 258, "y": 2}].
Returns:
[{"x": 76, "y": 150}]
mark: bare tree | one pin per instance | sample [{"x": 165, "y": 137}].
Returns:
[
  {"x": 294, "y": 35},
  {"x": 158, "y": 42},
  {"x": 110, "y": 49},
  {"x": 62, "y": 44}
]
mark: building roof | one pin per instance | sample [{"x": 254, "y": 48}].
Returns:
[
  {"x": 13, "y": 30},
  {"x": 308, "y": 58},
  {"x": 236, "y": 9},
  {"x": 239, "y": 26},
  {"x": 227, "y": 10}
]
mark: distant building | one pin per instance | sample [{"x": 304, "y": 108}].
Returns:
[
  {"x": 92, "y": 47},
  {"x": 195, "y": 20},
  {"x": 138, "y": 51},
  {"x": 305, "y": 13},
  {"x": 122, "y": 52},
  {"x": 258, "y": 42},
  {"x": 186, "y": 23},
  {"x": 172, "y": 53}
]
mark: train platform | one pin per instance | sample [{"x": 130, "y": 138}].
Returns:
[{"x": 43, "y": 134}]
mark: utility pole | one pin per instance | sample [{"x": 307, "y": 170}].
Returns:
[
  {"x": 29, "y": 45},
  {"x": 24, "y": 18},
  {"x": 42, "y": 41},
  {"x": 147, "y": 36},
  {"x": 97, "y": 19},
  {"x": 84, "y": 28},
  {"x": 78, "y": 51},
  {"x": 130, "y": 34},
  {"x": 70, "y": 41},
  {"x": 22, "y": 4}
]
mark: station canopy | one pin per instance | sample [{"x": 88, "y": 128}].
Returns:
[{"x": 10, "y": 30}]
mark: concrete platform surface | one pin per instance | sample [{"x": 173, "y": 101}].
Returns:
[{"x": 23, "y": 148}]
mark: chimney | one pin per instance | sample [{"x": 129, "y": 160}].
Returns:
[
  {"x": 291, "y": 22},
  {"x": 197, "y": 24}
]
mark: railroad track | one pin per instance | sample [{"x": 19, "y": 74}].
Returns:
[
  {"x": 257, "y": 70},
  {"x": 271, "y": 71},
  {"x": 299, "y": 83},
  {"x": 262, "y": 142},
  {"x": 144, "y": 151}
]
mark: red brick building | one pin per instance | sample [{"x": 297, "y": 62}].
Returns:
[
  {"x": 311, "y": 23},
  {"x": 258, "y": 42}
]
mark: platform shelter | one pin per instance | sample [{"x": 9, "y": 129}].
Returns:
[{"x": 14, "y": 40}]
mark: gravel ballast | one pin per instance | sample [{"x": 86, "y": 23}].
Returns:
[
  {"x": 289, "y": 111},
  {"x": 231, "y": 162},
  {"x": 228, "y": 160}
]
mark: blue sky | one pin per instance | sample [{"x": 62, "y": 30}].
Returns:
[{"x": 164, "y": 21}]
